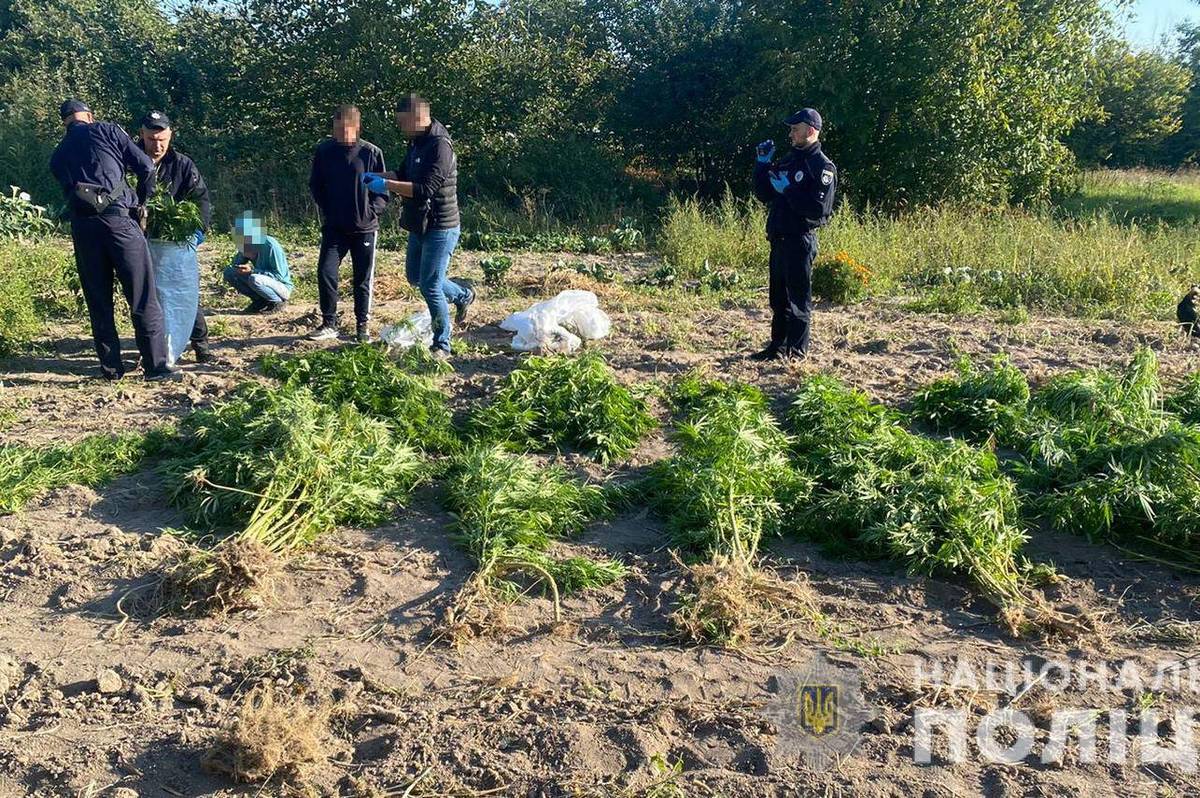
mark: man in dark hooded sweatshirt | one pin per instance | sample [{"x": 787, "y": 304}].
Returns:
[
  {"x": 349, "y": 219},
  {"x": 799, "y": 190}
]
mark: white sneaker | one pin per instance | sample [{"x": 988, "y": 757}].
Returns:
[{"x": 323, "y": 333}]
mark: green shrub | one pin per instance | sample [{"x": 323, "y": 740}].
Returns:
[
  {"x": 495, "y": 269},
  {"x": 366, "y": 377},
  {"x": 731, "y": 482},
  {"x": 555, "y": 401},
  {"x": 280, "y": 468},
  {"x": 21, "y": 219},
  {"x": 509, "y": 509},
  {"x": 880, "y": 490},
  {"x": 1106, "y": 461},
  {"x": 840, "y": 279},
  {"x": 976, "y": 404},
  {"x": 168, "y": 220},
  {"x": 1184, "y": 402}
]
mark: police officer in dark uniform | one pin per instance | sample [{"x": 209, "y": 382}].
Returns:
[
  {"x": 90, "y": 164},
  {"x": 178, "y": 173},
  {"x": 799, "y": 190}
]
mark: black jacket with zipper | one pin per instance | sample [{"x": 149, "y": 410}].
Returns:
[
  {"x": 336, "y": 185},
  {"x": 807, "y": 203},
  {"x": 431, "y": 167}
]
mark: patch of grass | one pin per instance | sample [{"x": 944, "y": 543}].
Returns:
[
  {"x": 976, "y": 404},
  {"x": 556, "y": 401},
  {"x": 38, "y": 283},
  {"x": 28, "y": 472},
  {"x": 961, "y": 261},
  {"x": 1184, "y": 401},
  {"x": 1136, "y": 196},
  {"x": 366, "y": 377},
  {"x": 508, "y": 511},
  {"x": 280, "y": 468}
]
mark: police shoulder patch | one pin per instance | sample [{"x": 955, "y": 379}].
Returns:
[{"x": 827, "y": 177}]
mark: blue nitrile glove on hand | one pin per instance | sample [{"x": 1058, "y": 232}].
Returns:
[
  {"x": 781, "y": 181},
  {"x": 375, "y": 183},
  {"x": 197, "y": 239},
  {"x": 766, "y": 151}
]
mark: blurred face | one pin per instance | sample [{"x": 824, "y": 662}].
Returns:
[
  {"x": 156, "y": 143},
  {"x": 801, "y": 133},
  {"x": 345, "y": 129},
  {"x": 415, "y": 122},
  {"x": 83, "y": 116},
  {"x": 246, "y": 246}
]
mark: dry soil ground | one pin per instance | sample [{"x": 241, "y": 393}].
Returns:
[{"x": 586, "y": 707}]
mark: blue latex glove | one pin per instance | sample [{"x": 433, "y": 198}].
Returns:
[
  {"x": 766, "y": 151},
  {"x": 781, "y": 181},
  {"x": 375, "y": 183},
  {"x": 198, "y": 238}
]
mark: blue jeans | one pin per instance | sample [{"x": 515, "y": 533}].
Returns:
[
  {"x": 426, "y": 263},
  {"x": 262, "y": 287}
]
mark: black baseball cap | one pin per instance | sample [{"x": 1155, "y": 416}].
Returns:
[
  {"x": 808, "y": 116},
  {"x": 73, "y": 107},
  {"x": 156, "y": 120}
]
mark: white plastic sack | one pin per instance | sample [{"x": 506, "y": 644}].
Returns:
[
  {"x": 547, "y": 326},
  {"x": 177, "y": 282},
  {"x": 417, "y": 329}
]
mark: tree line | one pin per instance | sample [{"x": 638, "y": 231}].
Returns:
[{"x": 585, "y": 107}]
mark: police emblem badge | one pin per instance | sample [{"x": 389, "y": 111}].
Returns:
[{"x": 818, "y": 711}]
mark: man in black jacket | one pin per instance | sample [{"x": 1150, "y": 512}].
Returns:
[
  {"x": 90, "y": 164},
  {"x": 428, "y": 186},
  {"x": 350, "y": 219},
  {"x": 800, "y": 190},
  {"x": 178, "y": 173}
]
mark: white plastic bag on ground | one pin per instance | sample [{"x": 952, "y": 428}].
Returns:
[
  {"x": 417, "y": 329},
  {"x": 177, "y": 282},
  {"x": 548, "y": 325}
]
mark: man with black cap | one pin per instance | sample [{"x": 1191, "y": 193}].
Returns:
[
  {"x": 799, "y": 190},
  {"x": 178, "y": 173},
  {"x": 90, "y": 164},
  {"x": 349, "y": 219}
]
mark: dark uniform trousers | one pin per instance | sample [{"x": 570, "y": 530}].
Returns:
[
  {"x": 111, "y": 245},
  {"x": 334, "y": 246},
  {"x": 790, "y": 289}
]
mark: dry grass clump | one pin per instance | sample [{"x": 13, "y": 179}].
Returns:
[
  {"x": 729, "y": 602},
  {"x": 274, "y": 738},
  {"x": 236, "y": 574}
]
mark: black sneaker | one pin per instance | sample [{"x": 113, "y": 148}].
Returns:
[
  {"x": 164, "y": 374},
  {"x": 462, "y": 308},
  {"x": 437, "y": 353},
  {"x": 205, "y": 356},
  {"x": 257, "y": 306},
  {"x": 772, "y": 352},
  {"x": 274, "y": 307},
  {"x": 362, "y": 333},
  {"x": 323, "y": 333}
]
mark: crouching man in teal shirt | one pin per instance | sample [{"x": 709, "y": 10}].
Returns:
[{"x": 259, "y": 269}]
